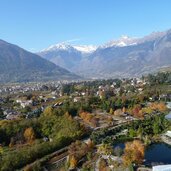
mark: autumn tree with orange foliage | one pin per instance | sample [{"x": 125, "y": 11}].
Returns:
[
  {"x": 158, "y": 106},
  {"x": 88, "y": 118},
  {"x": 29, "y": 135},
  {"x": 133, "y": 153},
  {"x": 85, "y": 116},
  {"x": 73, "y": 162},
  {"x": 136, "y": 111}
]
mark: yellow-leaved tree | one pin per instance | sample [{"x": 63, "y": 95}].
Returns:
[
  {"x": 29, "y": 135},
  {"x": 133, "y": 152}
]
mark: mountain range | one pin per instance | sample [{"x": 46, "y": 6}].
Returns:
[
  {"x": 125, "y": 57},
  {"x": 19, "y": 65}
]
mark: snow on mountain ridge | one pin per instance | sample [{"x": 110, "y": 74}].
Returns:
[
  {"x": 124, "y": 40},
  {"x": 59, "y": 46},
  {"x": 67, "y": 47},
  {"x": 85, "y": 48}
]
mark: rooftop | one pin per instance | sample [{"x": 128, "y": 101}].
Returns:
[{"x": 162, "y": 168}]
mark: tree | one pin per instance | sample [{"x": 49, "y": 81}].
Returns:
[
  {"x": 137, "y": 111},
  {"x": 48, "y": 111},
  {"x": 48, "y": 123},
  {"x": 102, "y": 165},
  {"x": 132, "y": 132},
  {"x": 158, "y": 106},
  {"x": 90, "y": 144},
  {"x": 1, "y": 111},
  {"x": 105, "y": 149},
  {"x": 1, "y": 150},
  {"x": 131, "y": 168},
  {"x": 111, "y": 111},
  {"x": 12, "y": 142},
  {"x": 29, "y": 135},
  {"x": 156, "y": 128},
  {"x": 133, "y": 153},
  {"x": 140, "y": 132},
  {"x": 86, "y": 116},
  {"x": 123, "y": 109},
  {"x": 73, "y": 162},
  {"x": 76, "y": 151}
]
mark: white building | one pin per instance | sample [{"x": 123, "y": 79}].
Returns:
[
  {"x": 24, "y": 103},
  {"x": 169, "y": 105},
  {"x": 168, "y": 133},
  {"x": 162, "y": 168}
]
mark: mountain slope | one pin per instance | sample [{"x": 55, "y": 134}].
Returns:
[
  {"x": 63, "y": 55},
  {"x": 116, "y": 61},
  {"x": 18, "y": 65}
]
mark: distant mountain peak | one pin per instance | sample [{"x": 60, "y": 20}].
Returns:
[
  {"x": 58, "y": 46},
  {"x": 124, "y": 40},
  {"x": 66, "y": 47}
]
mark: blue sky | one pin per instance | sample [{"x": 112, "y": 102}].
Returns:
[{"x": 36, "y": 24}]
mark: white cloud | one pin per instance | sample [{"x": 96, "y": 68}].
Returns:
[{"x": 71, "y": 40}]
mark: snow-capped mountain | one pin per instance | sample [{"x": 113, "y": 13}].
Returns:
[
  {"x": 123, "y": 57},
  {"x": 85, "y": 48},
  {"x": 58, "y": 47},
  {"x": 125, "y": 40},
  {"x": 121, "y": 42},
  {"x": 66, "y": 55},
  {"x": 63, "y": 54},
  {"x": 68, "y": 47}
]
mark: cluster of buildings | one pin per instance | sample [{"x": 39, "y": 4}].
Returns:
[
  {"x": 29, "y": 87},
  {"x": 127, "y": 85},
  {"x": 12, "y": 108}
]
